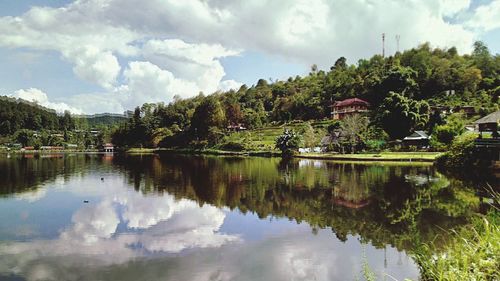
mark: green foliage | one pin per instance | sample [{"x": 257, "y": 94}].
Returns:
[
  {"x": 421, "y": 76},
  {"x": 289, "y": 142},
  {"x": 472, "y": 253},
  {"x": 399, "y": 115},
  {"x": 16, "y": 114},
  {"x": 443, "y": 135},
  {"x": 353, "y": 130},
  {"x": 310, "y": 138},
  {"x": 207, "y": 117},
  {"x": 462, "y": 153}
]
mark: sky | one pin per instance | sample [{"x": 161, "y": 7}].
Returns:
[{"x": 94, "y": 56}]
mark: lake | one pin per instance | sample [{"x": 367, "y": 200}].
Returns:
[{"x": 172, "y": 217}]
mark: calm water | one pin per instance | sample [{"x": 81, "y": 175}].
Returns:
[{"x": 208, "y": 218}]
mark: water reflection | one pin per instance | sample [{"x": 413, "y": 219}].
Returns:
[{"x": 158, "y": 217}]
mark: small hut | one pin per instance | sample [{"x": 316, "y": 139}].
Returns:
[
  {"x": 108, "y": 147},
  {"x": 489, "y": 123},
  {"x": 418, "y": 138}
]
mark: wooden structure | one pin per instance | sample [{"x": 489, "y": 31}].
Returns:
[
  {"x": 489, "y": 123},
  {"x": 108, "y": 147},
  {"x": 418, "y": 138},
  {"x": 349, "y": 107}
]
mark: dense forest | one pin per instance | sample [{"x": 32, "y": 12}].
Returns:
[
  {"x": 401, "y": 89},
  {"x": 16, "y": 114},
  {"x": 30, "y": 124}
]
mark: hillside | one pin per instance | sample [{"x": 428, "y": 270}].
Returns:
[
  {"x": 104, "y": 119},
  {"x": 16, "y": 114},
  {"x": 405, "y": 92}
]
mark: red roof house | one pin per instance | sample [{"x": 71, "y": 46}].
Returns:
[{"x": 348, "y": 107}]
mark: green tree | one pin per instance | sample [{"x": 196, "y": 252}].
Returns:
[
  {"x": 206, "y": 115},
  {"x": 399, "y": 115},
  {"x": 353, "y": 128},
  {"x": 289, "y": 142}
]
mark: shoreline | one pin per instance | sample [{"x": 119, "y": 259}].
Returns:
[
  {"x": 409, "y": 157},
  {"x": 428, "y": 157}
]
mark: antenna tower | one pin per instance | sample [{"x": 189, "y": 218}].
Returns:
[
  {"x": 398, "y": 37},
  {"x": 383, "y": 44}
]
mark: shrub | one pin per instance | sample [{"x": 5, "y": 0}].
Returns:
[
  {"x": 463, "y": 153},
  {"x": 289, "y": 142},
  {"x": 233, "y": 146}
]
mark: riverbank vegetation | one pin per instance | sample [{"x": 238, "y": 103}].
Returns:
[{"x": 472, "y": 253}]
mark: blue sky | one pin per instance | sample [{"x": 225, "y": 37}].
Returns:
[{"x": 108, "y": 55}]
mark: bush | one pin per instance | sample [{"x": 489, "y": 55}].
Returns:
[
  {"x": 375, "y": 145},
  {"x": 233, "y": 146},
  {"x": 463, "y": 153},
  {"x": 289, "y": 142}
]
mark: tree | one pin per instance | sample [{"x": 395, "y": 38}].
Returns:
[
  {"x": 445, "y": 134},
  {"x": 5, "y": 127},
  {"x": 309, "y": 137},
  {"x": 399, "y": 115},
  {"x": 353, "y": 128},
  {"x": 24, "y": 137},
  {"x": 289, "y": 142},
  {"x": 208, "y": 114},
  {"x": 66, "y": 122}
]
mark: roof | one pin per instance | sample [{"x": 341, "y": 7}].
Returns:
[
  {"x": 490, "y": 118},
  {"x": 353, "y": 101},
  {"x": 417, "y": 135}
]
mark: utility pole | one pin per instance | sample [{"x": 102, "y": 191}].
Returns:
[
  {"x": 383, "y": 44},
  {"x": 397, "y": 41}
]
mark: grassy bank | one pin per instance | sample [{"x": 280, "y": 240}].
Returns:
[
  {"x": 383, "y": 156},
  {"x": 138, "y": 150},
  {"x": 218, "y": 152},
  {"x": 473, "y": 253}
]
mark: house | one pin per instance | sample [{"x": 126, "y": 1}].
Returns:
[
  {"x": 349, "y": 107},
  {"x": 108, "y": 147},
  {"x": 417, "y": 138},
  {"x": 236, "y": 128},
  {"x": 333, "y": 141},
  {"x": 465, "y": 109},
  {"x": 71, "y": 146},
  {"x": 489, "y": 123}
]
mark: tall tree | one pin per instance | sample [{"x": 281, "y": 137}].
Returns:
[{"x": 399, "y": 115}]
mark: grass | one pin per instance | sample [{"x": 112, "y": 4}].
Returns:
[
  {"x": 383, "y": 156},
  {"x": 263, "y": 139},
  {"x": 472, "y": 254},
  {"x": 138, "y": 150}
]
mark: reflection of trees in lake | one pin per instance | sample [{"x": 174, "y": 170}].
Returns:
[
  {"x": 23, "y": 173},
  {"x": 385, "y": 204}
]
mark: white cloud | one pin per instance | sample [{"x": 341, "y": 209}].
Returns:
[
  {"x": 146, "y": 82},
  {"x": 227, "y": 85},
  {"x": 93, "y": 65},
  {"x": 486, "y": 17},
  {"x": 38, "y": 96}
]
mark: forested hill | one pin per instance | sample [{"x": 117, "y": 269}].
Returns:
[
  {"x": 104, "y": 119},
  {"x": 410, "y": 81},
  {"x": 16, "y": 114}
]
